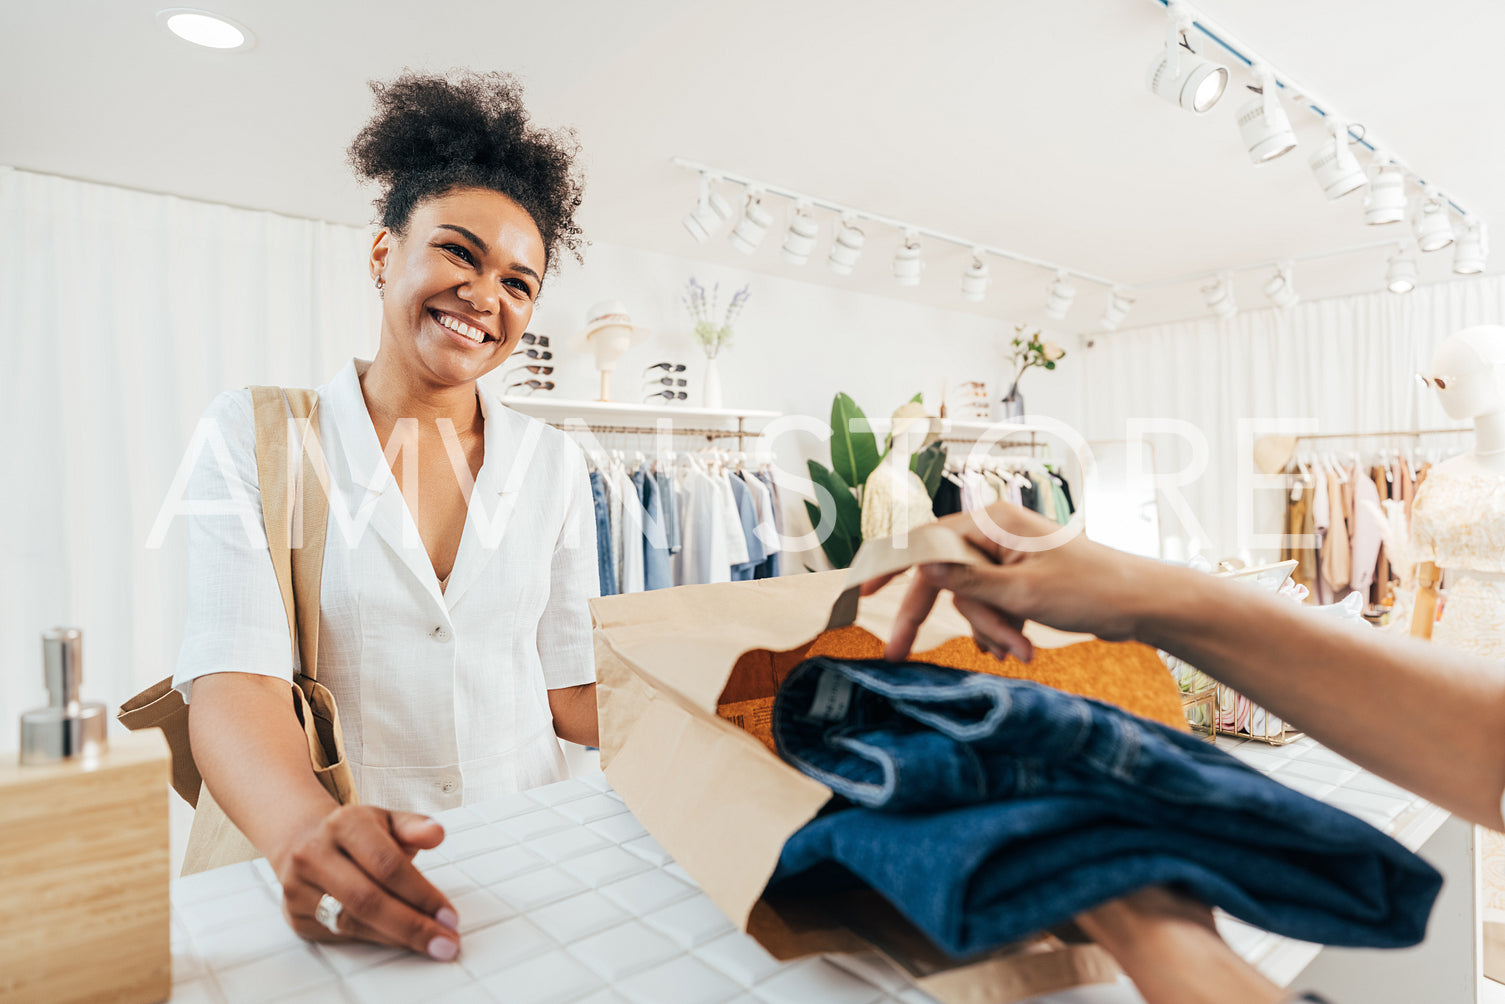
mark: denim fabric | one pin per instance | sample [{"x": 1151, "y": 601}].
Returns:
[
  {"x": 669, "y": 502},
  {"x": 749, "y": 517},
  {"x": 606, "y": 566},
  {"x": 989, "y": 808},
  {"x": 656, "y": 571}
]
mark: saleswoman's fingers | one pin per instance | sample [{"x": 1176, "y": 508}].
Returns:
[
  {"x": 871, "y": 586},
  {"x": 1003, "y": 632},
  {"x": 915, "y": 607},
  {"x": 367, "y": 906}
]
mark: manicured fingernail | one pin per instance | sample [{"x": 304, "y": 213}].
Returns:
[
  {"x": 448, "y": 918},
  {"x": 443, "y": 949}
]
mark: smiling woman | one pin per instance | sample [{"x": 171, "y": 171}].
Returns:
[{"x": 460, "y": 543}]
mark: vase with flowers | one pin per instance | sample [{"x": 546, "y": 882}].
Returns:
[
  {"x": 1028, "y": 349},
  {"x": 713, "y": 330}
]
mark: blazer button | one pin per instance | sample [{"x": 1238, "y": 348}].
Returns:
[
  {"x": 441, "y": 633},
  {"x": 447, "y": 787}
]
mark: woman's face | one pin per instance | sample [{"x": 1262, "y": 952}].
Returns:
[{"x": 468, "y": 268}]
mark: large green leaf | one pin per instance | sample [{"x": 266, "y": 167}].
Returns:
[
  {"x": 854, "y": 451},
  {"x": 845, "y": 533},
  {"x": 928, "y": 465}
]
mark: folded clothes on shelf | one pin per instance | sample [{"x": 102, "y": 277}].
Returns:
[{"x": 986, "y": 809}]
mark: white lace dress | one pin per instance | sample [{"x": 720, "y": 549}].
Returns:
[{"x": 1458, "y": 523}]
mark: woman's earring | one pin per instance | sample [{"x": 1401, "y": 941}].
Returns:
[{"x": 381, "y": 283}]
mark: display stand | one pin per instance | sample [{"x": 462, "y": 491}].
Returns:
[{"x": 607, "y": 418}]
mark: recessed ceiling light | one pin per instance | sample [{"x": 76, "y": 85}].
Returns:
[{"x": 213, "y": 31}]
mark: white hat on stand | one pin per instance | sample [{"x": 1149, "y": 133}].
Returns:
[{"x": 609, "y": 333}]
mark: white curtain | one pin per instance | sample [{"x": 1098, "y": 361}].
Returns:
[
  {"x": 1346, "y": 363},
  {"x": 122, "y": 314}
]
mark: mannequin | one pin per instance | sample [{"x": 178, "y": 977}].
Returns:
[
  {"x": 1458, "y": 525},
  {"x": 1472, "y": 366}
]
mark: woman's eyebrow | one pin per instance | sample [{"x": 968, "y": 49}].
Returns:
[
  {"x": 516, "y": 266},
  {"x": 467, "y": 235}
]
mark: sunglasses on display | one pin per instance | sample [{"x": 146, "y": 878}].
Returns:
[
  {"x": 670, "y": 381},
  {"x": 542, "y": 341},
  {"x": 1434, "y": 382},
  {"x": 535, "y": 354},
  {"x": 533, "y": 385},
  {"x": 667, "y": 367},
  {"x": 668, "y": 395},
  {"x": 533, "y": 368}
]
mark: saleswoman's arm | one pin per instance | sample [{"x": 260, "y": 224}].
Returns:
[
  {"x": 1429, "y": 719},
  {"x": 574, "y": 711},
  {"x": 253, "y": 756}
]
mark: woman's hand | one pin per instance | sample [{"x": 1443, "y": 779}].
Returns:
[
  {"x": 363, "y": 857},
  {"x": 1168, "y": 946},
  {"x": 1076, "y": 586}
]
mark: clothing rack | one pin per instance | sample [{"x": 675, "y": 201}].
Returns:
[
  {"x": 1383, "y": 435},
  {"x": 624, "y": 418},
  {"x": 652, "y": 430}
]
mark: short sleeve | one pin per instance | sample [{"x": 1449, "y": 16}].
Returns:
[
  {"x": 565, "y": 648},
  {"x": 235, "y": 618}
]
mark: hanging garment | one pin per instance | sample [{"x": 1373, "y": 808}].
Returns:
[
  {"x": 991, "y": 808},
  {"x": 605, "y": 564},
  {"x": 614, "y": 503},
  {"x": 702, "y": 554},
  {"x": 669, "y": 503},
  {"x": 773, "y": 567},
  {"x": 997, "y": 487},
  {"x": 764, "y": 530},
  {"x": 1322, "y": 524},
  {"x": 731, "y": 520},
  {"x": 894, "y": 501},
  {"x": 1367, "y": 522},
  {"x": 747, "y": 525},
  {"x": 1045, "y": 495},
  {"x": 656, "y": 571},
  {"x": 1063, "y": 505},
  {"x": 1337, "y": 559},
  {"x": 630, "y": 547},
  {"x": 1299, "y": 522},
  {"x": 1381, "y": 585},
  {"x": 1066, "y": 491},
  {"x": 948, "y": 498}
]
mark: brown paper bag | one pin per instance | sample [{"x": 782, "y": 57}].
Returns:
[{"x": 679, "y": 669}]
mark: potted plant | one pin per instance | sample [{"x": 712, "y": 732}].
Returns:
[
  {"x": 912, "y": 450},
  {"x": 711, "y": 333},
  {"x": 1028, "y": 349}
]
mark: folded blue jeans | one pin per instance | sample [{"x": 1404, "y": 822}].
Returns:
[{"x": 987, "y": 809}]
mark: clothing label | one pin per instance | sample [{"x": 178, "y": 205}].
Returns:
[
  {"x": 833, "y": 695},
  {"x": 753, "y": 717}
]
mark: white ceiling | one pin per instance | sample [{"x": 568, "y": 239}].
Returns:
[{"x": 1022, "y": 125}]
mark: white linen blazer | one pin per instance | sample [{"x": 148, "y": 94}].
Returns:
[{"x": 442, "y": 695}]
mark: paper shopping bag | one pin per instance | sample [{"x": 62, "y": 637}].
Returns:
[{"x": 686, "y": 680}]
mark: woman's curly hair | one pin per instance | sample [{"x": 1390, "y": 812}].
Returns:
[{"x": 433, "y": 134}]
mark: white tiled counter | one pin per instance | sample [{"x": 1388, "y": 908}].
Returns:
[{"x": 563, "y": 897}]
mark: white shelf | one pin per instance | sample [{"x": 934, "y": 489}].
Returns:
[{"x": 594, "y": 413}]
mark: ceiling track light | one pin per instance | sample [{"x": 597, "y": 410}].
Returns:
[
  {"x": 909, "y": 260},
  {"x": 1431, "y": 226},
  {"x": 1219, "y": 295},
  {"x": 1280, "y": 288},
  {"x": 753, "y": 226},
  {"x": 1400, "y": 274},
  {"x": 1179, "y": 75},
  {"x": 975, "y": 278},
  {"x": 1059, "y": 296},
  {"x": 1385, "y": 198},
  {"x": 846, "y": 246},
  {"x": 799, "y": 240},
  {"x": 1336, "y": 168},
  {"x": 1471, "y": 249},
  {"x": 1263, "y": 123},
  {"x": 1116, "y": 309},
  {"x": 711, "y": 210}
]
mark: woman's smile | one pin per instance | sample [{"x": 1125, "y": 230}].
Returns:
[{"x": 468, "y": 333}]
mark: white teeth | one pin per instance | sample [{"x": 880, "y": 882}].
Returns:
[{"x": 460, "y": 326}]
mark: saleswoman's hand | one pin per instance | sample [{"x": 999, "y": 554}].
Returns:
[
  {"x": 363, "y": 857},
  {"x": 1076, "y": 586}
]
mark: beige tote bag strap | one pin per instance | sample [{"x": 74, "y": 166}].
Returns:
[{"x": 294, "y": 509}]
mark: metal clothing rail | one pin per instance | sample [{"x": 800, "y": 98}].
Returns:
[
  {"x": 1384, "y": 435},
  {"x": 653, "y": 430}
]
